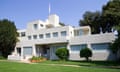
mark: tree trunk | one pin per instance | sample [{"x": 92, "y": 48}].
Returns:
[{"x": 87, "y": 59}]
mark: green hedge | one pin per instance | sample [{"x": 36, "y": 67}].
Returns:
[{"x": 62, "y": 53}]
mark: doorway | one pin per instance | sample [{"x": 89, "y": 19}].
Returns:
[
  {"x": 43, "y": 51},
  {"x": 19, "y": 51}
]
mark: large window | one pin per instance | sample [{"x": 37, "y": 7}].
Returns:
[
  {"x": 47, "y": 35},
  {"x": 63, "y": 33},
  {"x": 34, "y": 36},
  {"x": 27, "y": 51},
  {"x": 55, "y": 34},
  {"x": 77, "y": 47},
  {"x": 41, "y": 36},
  {"x": 100, "y": 46},
  {"x": 35, "y": 26}
]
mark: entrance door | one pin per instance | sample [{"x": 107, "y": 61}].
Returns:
[
  {"x": 46, "y": 51},
  {"x": 19, "y": 51},
  {"x": 43, "y": 50}
]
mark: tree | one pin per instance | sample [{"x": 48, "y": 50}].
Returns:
[
  {"x": 111, "y": 14},
  {"x": 62, "y": 24},
  {"x": 62, "y": 53},
  {"x": 103, "y": 21},
  {"x": 86, "y": 52},
  {"x": 115, "y": 48},
  {"x": 8, "y": 37},
  {"x": 91, "y": 19}
]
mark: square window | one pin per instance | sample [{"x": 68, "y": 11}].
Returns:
[
  {"x": 29, "y": 37},
  {"x": 41, "y": 36},
  {"x": 48, "y": 35},
  {"x": 22, "y": 34},
  {"x": 55, "y": 34},
  {"x": 35, "y": 36},
  {"x": 63, "y": 33}
]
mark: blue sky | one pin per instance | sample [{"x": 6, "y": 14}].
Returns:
[{"x": 69, "y": 11}]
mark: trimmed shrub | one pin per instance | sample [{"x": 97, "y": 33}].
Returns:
[
  {"x": 86, "y": 52},
  {"x": 62, "y": 53}
]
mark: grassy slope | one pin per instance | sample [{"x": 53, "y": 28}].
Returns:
[{"x": 21, "y": 67}]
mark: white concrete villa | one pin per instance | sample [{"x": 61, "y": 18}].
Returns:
[{"x": 42, "y": 38}]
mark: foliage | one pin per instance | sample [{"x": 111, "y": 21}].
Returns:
[
  {"x": 111, "y": 13},
  {"x": 62, "y": 53},
  {"x": 1, "y": 57},
  {"x": 8, "y": 37},
  {"x": 91, "y": 19},
  {"x": 86, "y": 52},
  {"x": 62, "y": 24},
  {"x": 103, "y": 21},
  {"x": 37, "y": 59},
  {"x": 115, "y": 47}
]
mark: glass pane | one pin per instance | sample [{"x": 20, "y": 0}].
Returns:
[
  {"x": 41, "y": 36},
  {"x": 48, "y": 35},
  {"x": 35, "y": 26},
  {"x": 55, "y": 34},
  {"x": 27, "y": 51},
  {"x": 63, "y": 33},
  {"x": 77, "y": 47},
  {"x": 35, "y": 36},
  {"x": 101, "y": 46}
]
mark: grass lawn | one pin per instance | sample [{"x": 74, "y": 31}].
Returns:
[
  {"x": 7, "y": 66},
  {"x": 85, "y": 63}
]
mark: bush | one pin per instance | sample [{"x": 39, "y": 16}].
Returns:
[
  {"x": 1, "y": 57},
  {"x": 37, "y": 59},
  {"x": 62, "y": 53},
  {"x": 86, "y": 52}
]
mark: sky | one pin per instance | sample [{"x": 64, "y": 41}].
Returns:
[{"x": 70, "y": 11}]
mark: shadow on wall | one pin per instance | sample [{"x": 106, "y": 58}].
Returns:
[{"x": 111, "y": 56}]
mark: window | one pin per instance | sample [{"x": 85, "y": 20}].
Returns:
[
  {"x": 81, "y": 32},
  {"x": 55, "y": 34},
  {"x": 22, "y": 34},
  {"x": 77, "y": 47},
  {"x": 29, "y": 37},
  {"x": 35, "y": 26},
  {"x": 27, "y": 51},
  {"x": 35, "y": 36},
  {"x": 48, "y": 35},
  {"x": 63, "y": 33},
  {"x": 78, "y": 32},
  {"x": 41, "y": 25},
  {"x": 100, "y": 46},
  {"x": 41, "y": 36}
]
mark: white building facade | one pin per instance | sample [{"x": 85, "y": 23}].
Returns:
[{"x": 42, "y": 38}]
